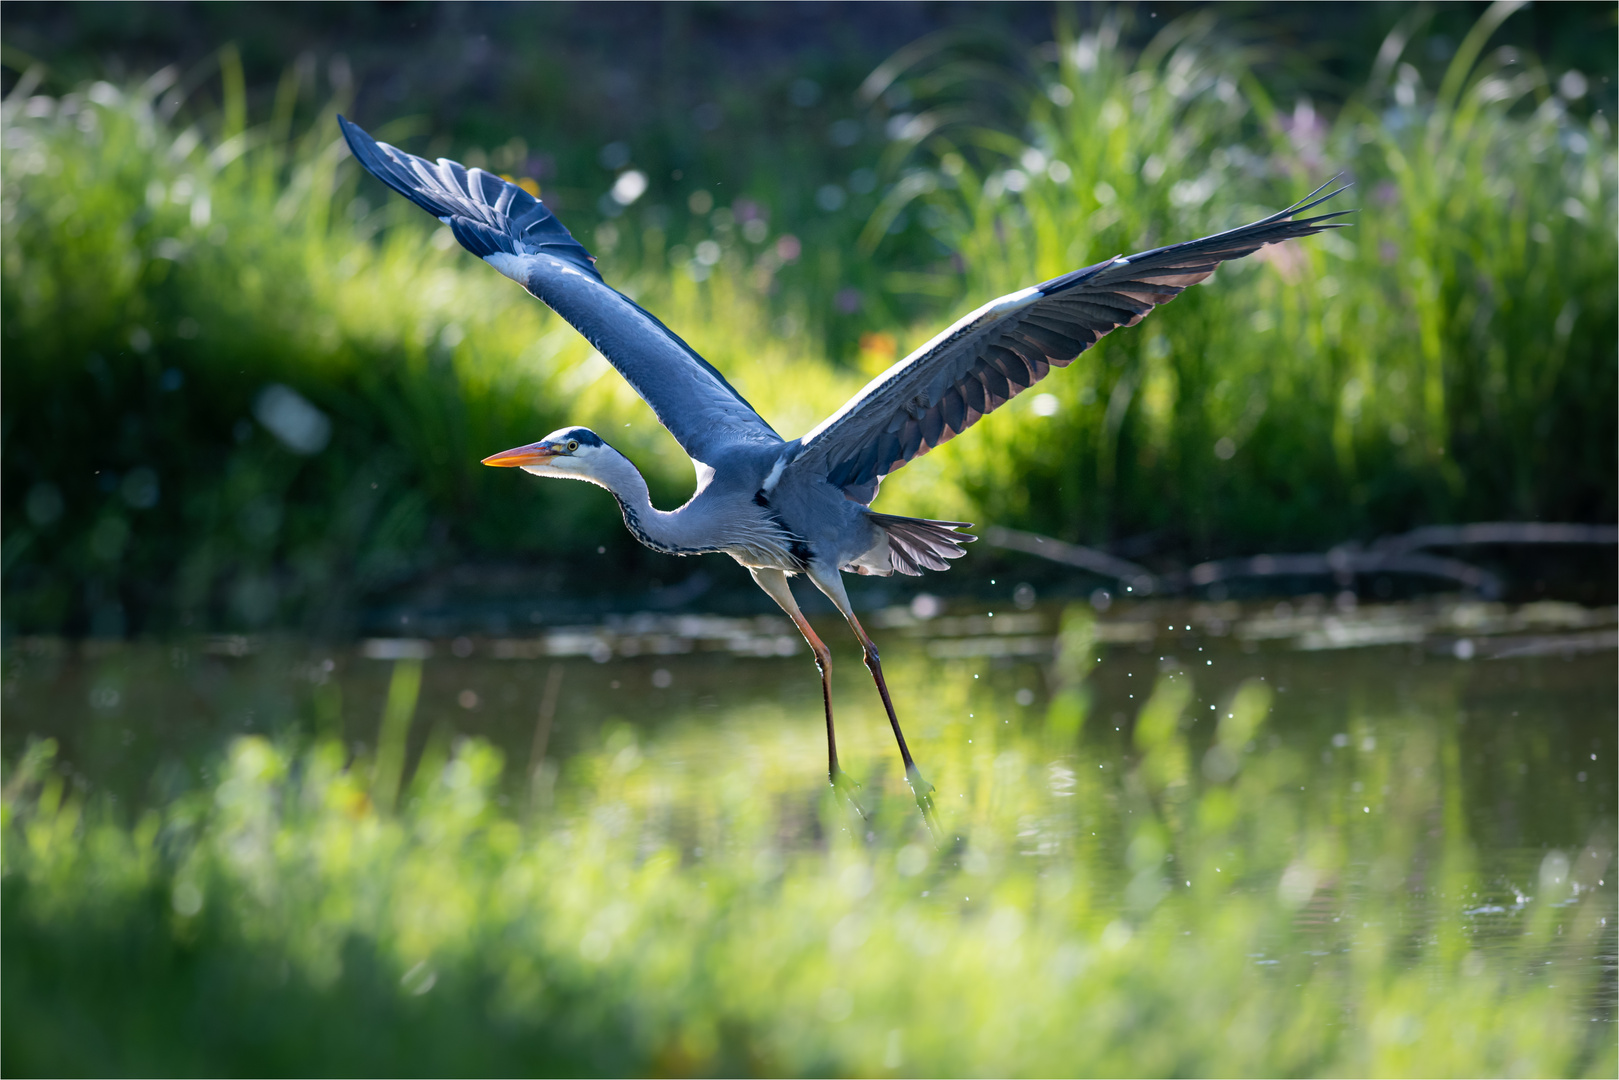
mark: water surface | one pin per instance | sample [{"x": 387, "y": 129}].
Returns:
[{"x": 1379, "y": 780}]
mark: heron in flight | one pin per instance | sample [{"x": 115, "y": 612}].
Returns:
[{"x": 783, "y": 507}]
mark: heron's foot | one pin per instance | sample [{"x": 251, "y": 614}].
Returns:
[
  {"x": 924, "y": 797},
  {"x": 845, "y": 787}
]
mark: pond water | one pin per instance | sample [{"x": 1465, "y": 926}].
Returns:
[
  {"x": 1435, "y": 765},
  {"x": 1533, "y": 686}
]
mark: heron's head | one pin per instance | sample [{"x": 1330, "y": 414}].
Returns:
[{"x": 574, "y": 452}]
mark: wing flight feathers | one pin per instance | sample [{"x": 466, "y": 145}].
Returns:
[
  {"x": 512, "y": 230},
  {"x": 480, "y": 207},
  {"x": 1009, "y": 344}
]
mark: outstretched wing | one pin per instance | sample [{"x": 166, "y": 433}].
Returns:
[
  {"x": 1010, "y": 344},
  {"x": 515, "y": 232}
]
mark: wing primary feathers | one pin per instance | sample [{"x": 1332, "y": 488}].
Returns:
[
  {"x": 513, "y": 220},
  {"x": 1051, "y": 342},
  {"x": 500, "y": 222},
  {"x": 1013, "y": 364},
  {"x": 972, "y": 392},
  {"x": 1011, "y": 343},
  {"x": 1233, "y": 243},
  {"x": 954, "y": 409},
  {"x": 994, "y": 385}
]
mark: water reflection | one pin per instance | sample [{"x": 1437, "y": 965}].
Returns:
[
  {"x": 1184, "y": 805},
  {"x": 121, "y": 711}
]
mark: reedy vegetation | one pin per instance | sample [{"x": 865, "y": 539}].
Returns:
[
  {"x": 1409, "y": 369},
  {"x": 687, "y": 903},
  {"x": 1450, "y": 357},
  {"x": 305, "y": 912}
]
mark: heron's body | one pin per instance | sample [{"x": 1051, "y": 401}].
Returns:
[
  {"x": 779, "y": 507},
  {"x": 747, "y": 505}
]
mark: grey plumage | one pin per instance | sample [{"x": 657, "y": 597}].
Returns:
[
  {"x": 1010, "y": 344},
  {"x": 506, "y": 226},
  {"x": 783, "y": 507}
]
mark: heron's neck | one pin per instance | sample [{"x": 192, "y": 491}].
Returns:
[{"x": 660, "y": 530}]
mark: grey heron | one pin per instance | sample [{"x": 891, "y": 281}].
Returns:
[{"x": 783, "y": 507}]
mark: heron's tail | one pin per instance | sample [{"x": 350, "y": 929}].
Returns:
[{"x": 915, "y": 544}]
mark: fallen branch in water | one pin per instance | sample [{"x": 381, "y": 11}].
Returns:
[
  {"x": 1097, "y": 562},
  {"x": 1403, "y": 553}
]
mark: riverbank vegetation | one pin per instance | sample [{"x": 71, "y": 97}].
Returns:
[
  {"x": 1235, "y": 876},
  {"x": 245, "y": 386}
]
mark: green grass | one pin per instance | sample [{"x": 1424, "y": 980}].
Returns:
[
  {"x": 1451, "y": 357},
  {"x": 1188, "y": 901},
  {"x": 1165, "y": 899},
  {"x": 1412, "y": 368}
]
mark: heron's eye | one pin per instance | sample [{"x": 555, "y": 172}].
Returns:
[{"x": 573, "y": 444}]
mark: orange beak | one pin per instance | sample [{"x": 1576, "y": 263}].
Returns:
[{"x": 532, "y": 454}]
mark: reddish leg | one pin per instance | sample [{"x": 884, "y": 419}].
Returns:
[
  {"x": 774, "y": 582},
  {"x": 832, "y": 586}
]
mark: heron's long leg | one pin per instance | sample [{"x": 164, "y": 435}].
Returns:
[
  {"x": 832, "y": 585},
  {"x": 774, "y": 583}
]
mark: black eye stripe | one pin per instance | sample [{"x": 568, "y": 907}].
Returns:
[{"x": 582, "y": 436}]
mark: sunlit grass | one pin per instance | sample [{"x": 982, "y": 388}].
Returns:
[
  {"x": 1409, "y": 368},
  {"x": 1196, "y": 899},
  {"x": 158, "y": 279},
  {"x": 1151, "y": 896},
  {"x": 1449, "y": 357}
]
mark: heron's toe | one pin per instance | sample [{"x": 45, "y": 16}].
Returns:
[
  {"x": 924, "y": 795},
  {"x": 844, "y": 785},
  {"x": 913, "y": 777}
]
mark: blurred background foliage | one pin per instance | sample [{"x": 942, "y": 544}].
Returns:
[
  {"x": 1307, "y": 885},
  {"x": 246, "y": 387}
]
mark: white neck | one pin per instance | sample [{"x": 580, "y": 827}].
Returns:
[{"x": 667, "y": 531}]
